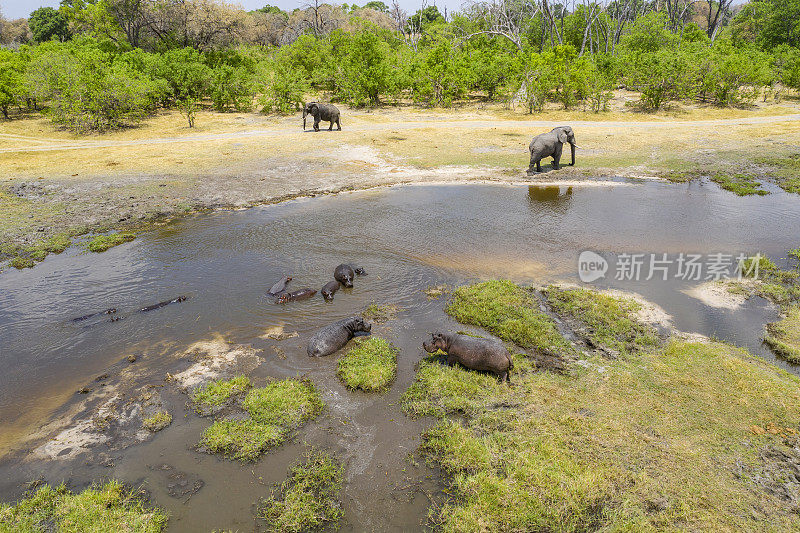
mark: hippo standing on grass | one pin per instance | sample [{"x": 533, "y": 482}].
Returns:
[
  {"x": 473, "y": 353},
  {"x": 332, "y": 338}
]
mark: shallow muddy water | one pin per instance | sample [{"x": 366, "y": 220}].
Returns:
[{"x": 407, "y": 238}]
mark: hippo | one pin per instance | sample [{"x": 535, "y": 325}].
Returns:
[
  {"x": 295, "y": 296},
  {"x": 473, "y": 353},
  {"x": 344, "y": 274},
  {"x": 280, "y": 286},
  {"x": 162, "y": 304},
  {"x": 329, "y": 290},
  {"x": 333, "y": 337}
]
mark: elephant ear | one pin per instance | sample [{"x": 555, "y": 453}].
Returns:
[{"x": 562, "y": 137}]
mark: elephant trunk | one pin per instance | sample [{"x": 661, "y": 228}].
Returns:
[
  {"x": 572, "y": 149},
  {"x": 305, "y": 112}
]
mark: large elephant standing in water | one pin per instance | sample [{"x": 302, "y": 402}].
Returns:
[
  {"x": 327, "y": 112},
  {"x": 550, "y": 144}
]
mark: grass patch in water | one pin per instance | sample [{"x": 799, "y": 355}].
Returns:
[
  {"x": 157, "y": 422},
  {"x": 309, "y": 499},
  {"x": 218, "y": 393},
  {"x": 609, "y": 320},
  {"x": 380, "y": 313},
  {"x": 109, "y": 507},
  {"x": 243, "y": 440},
  {"x": 510, "y": 312},
  {"x": 273, "y": 412},
  {"x": 784, "y": 336},
  {"x": 101, "y": 243},
  {"x": 286, "y": 403},
  {"x": 371, "y": 365},
  {"x": 739, "y": 184}
]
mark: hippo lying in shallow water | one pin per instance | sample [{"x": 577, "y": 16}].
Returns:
[
  {"x": 472, "y": 352},
  {"x": 332, "y": 338},
  {"x": 280, "y": 286},
  {"x": 294, "y": 296}
]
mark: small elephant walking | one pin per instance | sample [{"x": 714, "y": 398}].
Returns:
[
  {"x": 550, "y": 144},
  {"x": 327, "y": 112}
]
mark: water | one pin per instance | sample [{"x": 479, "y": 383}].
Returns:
[{"x": 407, "y": 238}]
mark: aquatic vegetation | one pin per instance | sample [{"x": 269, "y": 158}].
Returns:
[
  {"x": 157, "y": 422},
  {"x": 610, "y": 320},
  {"x": 777, "y": 285},
  {"x": 287, "y": 403},
  {"x": 101, "y": 243},
  {"x": 57, "y": 243},
  {"x": 108, "y": 507},
  {"x": 243, "y": 440},
  {"x": 20, "y": 262},
  {"x": 273, "y": 412},
  {"x": 380, "y": 313},
  {"x": 371, "y": 365},
  {"x": 218, "y": 393},
  {"x": 509, "y": 311},
  {"x": 739, "y": 184},
  {"x": 784, "y": 336},
  {"x": 435, "y": 291},
  {"x": 309, "y": 498}
]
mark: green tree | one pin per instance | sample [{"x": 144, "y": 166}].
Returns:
[
  {"x": 377, "y": 5},
  {"x": 285, "y": 84},
  {"x": 47, "y": 23},
  {"x": 12, "y": 84},
  {"x": 87, "y": 89},
  {"x": 361, "y": 72},
  {"x": 424, "y": 18}
]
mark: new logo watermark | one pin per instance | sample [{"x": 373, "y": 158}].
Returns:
[{"x": 593, "y": 266}]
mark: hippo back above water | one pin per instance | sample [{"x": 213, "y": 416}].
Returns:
[
  {"x": 334, "y": 337},
  {"x": 472, "y": 352}
]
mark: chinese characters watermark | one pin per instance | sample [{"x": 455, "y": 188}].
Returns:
[{"x": 662, "y": 266}]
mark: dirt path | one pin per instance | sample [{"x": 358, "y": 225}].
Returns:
[{"x": 55, "y": 144}]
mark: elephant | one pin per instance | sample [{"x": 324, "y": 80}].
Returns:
[
  {"x": 327, "y": 112},
  {"x": 550, "y": 144}
]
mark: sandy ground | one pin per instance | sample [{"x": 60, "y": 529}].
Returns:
[{"x": 51, "y": 180}]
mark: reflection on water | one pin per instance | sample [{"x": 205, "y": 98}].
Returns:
[
  {"x": 556, "y": 198},
  {"x": 407, "y": 238}
]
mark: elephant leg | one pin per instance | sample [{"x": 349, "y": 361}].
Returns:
[
  {"x": 338, "y": 124},
  {"x": 316, "y": 124},
  {"x": 556, "y": 159},
  {"x": 330, "y": 128},
  {"x": 538, "y": 165}
]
